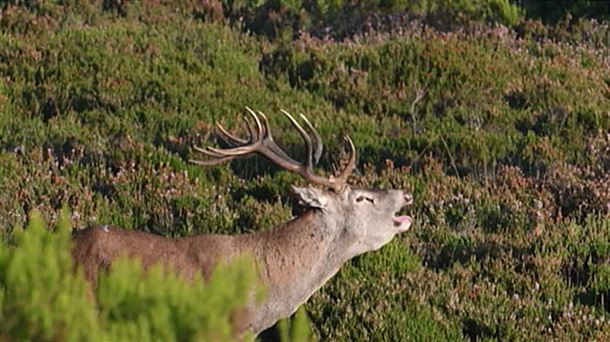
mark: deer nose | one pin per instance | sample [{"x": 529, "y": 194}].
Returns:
[{"x": 408, "y": 198}]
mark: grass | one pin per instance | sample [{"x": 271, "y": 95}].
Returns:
[{"x": 502, "y": 137}]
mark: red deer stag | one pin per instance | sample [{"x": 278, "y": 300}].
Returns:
[{"x": 294, "y": 259}]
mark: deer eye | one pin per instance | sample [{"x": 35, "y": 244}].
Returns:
[{"x": 362, "y": 198}]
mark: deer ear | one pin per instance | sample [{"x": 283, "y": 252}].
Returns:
[{"x": 311, "y": 197}]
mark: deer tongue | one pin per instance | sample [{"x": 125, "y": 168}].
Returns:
[{"x": 401, "y": 219}]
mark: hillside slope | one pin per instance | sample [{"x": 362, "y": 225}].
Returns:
[{"x": 503, "y": 136}]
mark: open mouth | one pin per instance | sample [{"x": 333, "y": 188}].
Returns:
[{"x": 400, "y": 218}]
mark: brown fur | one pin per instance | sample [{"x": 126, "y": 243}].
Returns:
[{"x": 97, "y": 247}]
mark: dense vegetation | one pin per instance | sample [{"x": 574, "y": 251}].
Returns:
[
  {"x": 46, "y": 301},
  {"x": 499, "y": 125}
]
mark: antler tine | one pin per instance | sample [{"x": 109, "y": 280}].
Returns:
[
  {"x": 270, "y": 143},
  {"x": 227, "y": 137},
  {"x": 208, "y": 152},
  {"x": 265, "y": 124},
  {"x": 235, "y": 151},
  {"x": 306, "y": 138},
  {"x": 318, "y": 140},
  {"x": 218, "y": 157},
  {"x": 341, "y": 180},
  {"x": 261, "y": 131},
  {"x": 251, "y": 132},
  {"x": 211, "y": 162}
]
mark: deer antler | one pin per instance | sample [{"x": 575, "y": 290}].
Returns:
[{"x": 261, "y": 141}]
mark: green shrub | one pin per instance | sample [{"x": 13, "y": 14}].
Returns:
[
  {"x": 286, "y": 19},
  {"x": 44, "y": 299},
  {"x": 557, "y": 10},
  {"x": 447, "y": 14}
]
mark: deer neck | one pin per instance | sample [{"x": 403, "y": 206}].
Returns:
[{"x": 297, "y": 258}]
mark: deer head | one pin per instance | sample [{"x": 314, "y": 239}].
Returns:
[{"x": 367, "y": 219}]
